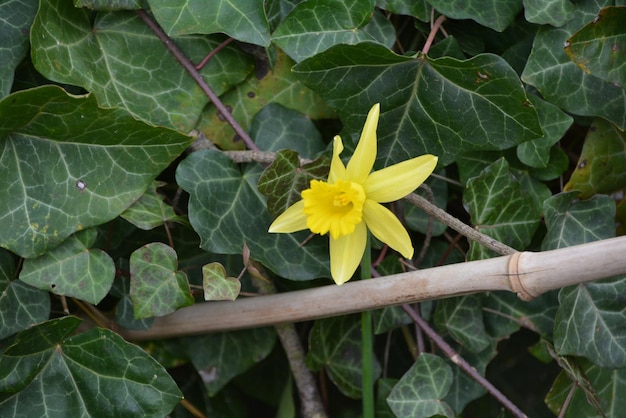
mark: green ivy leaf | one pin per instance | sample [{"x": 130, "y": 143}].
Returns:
[
  {"x": 421, "y": 390},
  {"x": 335, "y": 344},
  {"x": 118, "y": 58},
  {"x": 600, "y": 167},
  {"x": 16, "y": 18},
  {"x": 562, "y": 83},
  {"x": 418, "y": 95},
  {"x": 548, "y": 12},
  {"x": 21, "y": 306},
  {"x": 276, "y": 127},
  {"x": 591, "y": 392},
  {"x": 61, "y": 161},
  {"x": 313, "y": 27},
  {"x": 157, "y": 287},
  {"x": 500, "y": 207},
  {"x": 571, "y": 222},
  {"x": 462, "y": 317},
  {"x": 226, "y": 210},
  {"x": 44, "y": 372},
  {"x": 150, "y": 210},
  {"x": 555, "y": 123},
  {"x": 590, "y": 318},
  {"x": 216, "y": 285},
  {"x": 275, "y": 85},
  {"x": 72, "y": 269},
  {"x": 284, "y": 179},
  {"x": 124, "y": 310},
  {"x": 416, "y": 8},
  {"x": 108, "y": 4},
  {"x": 599, "y": 48},
  {"x": 241, "y": 19},
  {"x": 494, "y": 14},
  {"x": 221, "y": 356}
]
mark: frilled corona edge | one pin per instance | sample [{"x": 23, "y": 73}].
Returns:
[{"x": 527, "y": 274}]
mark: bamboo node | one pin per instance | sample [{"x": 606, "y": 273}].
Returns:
[{"x": 515, "y": 280}]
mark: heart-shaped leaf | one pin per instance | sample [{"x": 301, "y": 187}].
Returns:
[
  {"x": 150, "y": 210},
  {"x": 72, "y": 269},
  {"x": 61, "y": 161},
  {"x": 216, "y": 285},
  {"x": 421, "y": 390},
  {"x": 495, "y": 14},
  {"x": 157, "y": 287}
]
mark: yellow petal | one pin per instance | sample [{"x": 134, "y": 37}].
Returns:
[
  {"x": 387, "y": 228},
  {"x": 346, "y": 253},
  {"x": 362, "y": 161},
  {"x": 291, "y": 220},
  {"x": 395, "y": 182},
  {"x": 337, "y": 169}
]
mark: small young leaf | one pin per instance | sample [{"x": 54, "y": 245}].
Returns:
[
  {"x": 216, "y": 285},
  {"x": 157, "y": 287}
]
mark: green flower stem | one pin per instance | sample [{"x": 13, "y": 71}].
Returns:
[{"x": 367, "y": 342}]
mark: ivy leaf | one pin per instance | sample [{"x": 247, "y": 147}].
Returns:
[
  {"x": 150, "y": 210},
  {"x": 313, "y": 27},
  {"x": 462, "y": 317},
  {"x": 240, "y": 19},
  {"x": 21, "y": 305},
  {"x": 500, "y": 208},
  {"x": 417, "y": 8},
  {"x": 421, "y": 390},
  {"x": 599, "y": 48},
  {"x": 494, "y": 14},
  {"x": 276, "y": 127},
  {"x": 118, "y": 58},
  {"x": 590, "y": 318},
  {"x": 570, "y": 222},
  {"x": 418, "y": 95},
  {"x": 108, "y": 4},
  {"x": 44, "y": 372},
  {"x": 216, "y": 285},
  {"x": 548, "y": 12},
  {"x": 600, "y": 167},
  {"x": 16, "y": 18},
  {"x": 562, "y": 83},
  {"x": 589, "y": 390},
  {"x": 72, "y": 269},
  {"x": 335, "y": 344},
  {"x": 284, "y": 179},
  {"x": 555, "y": 123},
  {"x": 275, "y": 85},
  {"x": 226, "y": 210},
  {"x": 221, "y": 356},
  {"x": 61, "y": 161},
  {"x": 157, "y": 288}
]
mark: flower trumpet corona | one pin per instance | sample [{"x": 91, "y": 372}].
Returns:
[{"x": 349, "y": 203}]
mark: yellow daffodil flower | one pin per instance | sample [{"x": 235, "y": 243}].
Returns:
[{"x": 349, "y": 203}]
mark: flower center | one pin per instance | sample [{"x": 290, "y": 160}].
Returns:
[{"x": 334, "y": 207}]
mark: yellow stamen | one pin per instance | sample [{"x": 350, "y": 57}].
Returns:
[{"x": 336, "y": 208}]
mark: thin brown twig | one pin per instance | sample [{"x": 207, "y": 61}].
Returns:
[
  {"x": 197, "y": 77},
  {"x": 462, "y": 363},
  {"x": 213, "y": 53},
  {"x": 431, "y": 36},
  {"x": 568, "y": 400}
]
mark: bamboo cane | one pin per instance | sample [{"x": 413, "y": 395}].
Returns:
[{"x": 525, "y": 273}]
